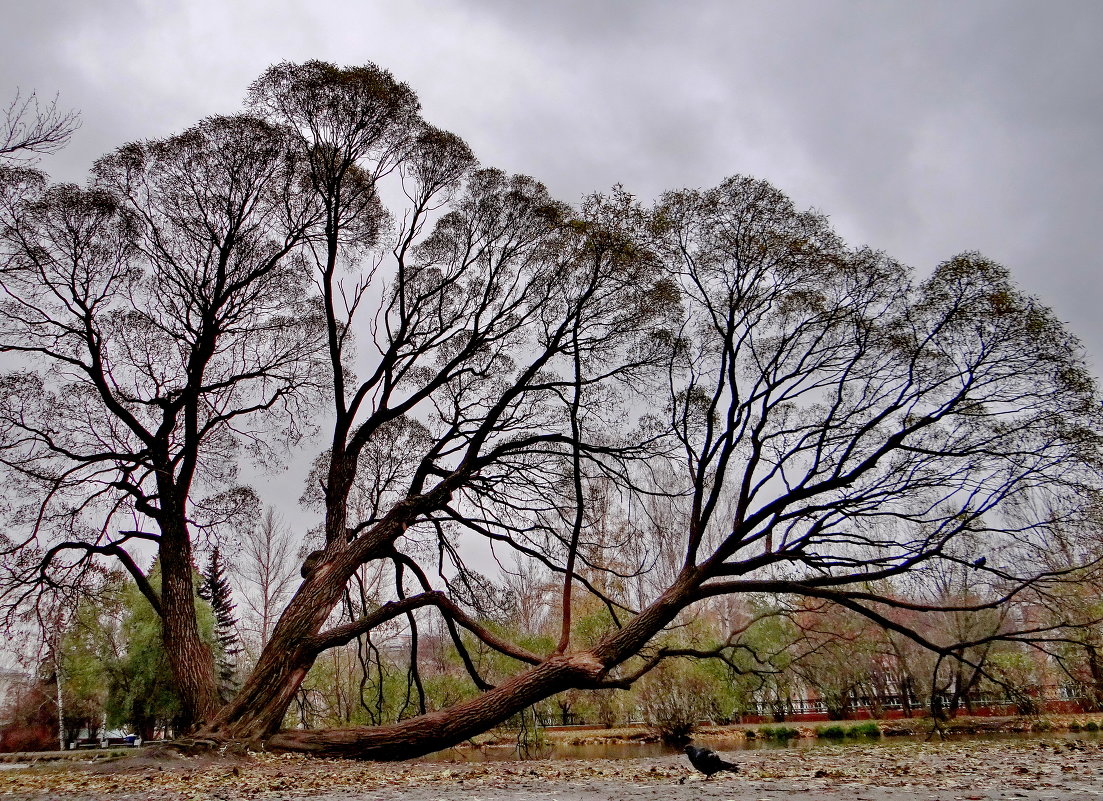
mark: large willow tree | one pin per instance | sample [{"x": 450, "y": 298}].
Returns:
[{"x": 809, "y": 418}]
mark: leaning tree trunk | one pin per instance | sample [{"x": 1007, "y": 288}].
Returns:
[
  {"x": 261, "y": 703},
  {"x": 259, "y": 707},
  {"x": 425, "y": 734}
]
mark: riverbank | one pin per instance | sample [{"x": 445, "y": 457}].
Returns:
[
  {"x": 1086, "y": 723},
  {"x": 885, "y": 770},
  {"x": 737, "y": 736}
]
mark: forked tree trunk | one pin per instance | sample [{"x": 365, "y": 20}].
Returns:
[{"x": 259, "y": 707}]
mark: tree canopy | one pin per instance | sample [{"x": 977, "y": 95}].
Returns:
[{"x": 654, "y": 404}]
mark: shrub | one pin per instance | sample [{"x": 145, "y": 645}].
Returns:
[
  {"x": 31, "y": 718},
  {"x": 831, "y": 732},
  {"x": 870, "y": 729},
  {"x": 1092, "y": 726},
  {"x": 673, "y": 703},
  {"x": 778, "y": 732}
]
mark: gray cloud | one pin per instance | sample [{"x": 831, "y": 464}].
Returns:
[{"x": 922, "y": 128}]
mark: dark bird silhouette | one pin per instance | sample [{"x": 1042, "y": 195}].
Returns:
[
  {"x": 979, "y": 563},
  {"x": 708, "y": 761}
]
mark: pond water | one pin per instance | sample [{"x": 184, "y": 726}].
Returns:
[{"x": 643, "y": 750}]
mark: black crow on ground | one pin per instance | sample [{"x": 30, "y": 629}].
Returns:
[{"x": 708, "y": 761}]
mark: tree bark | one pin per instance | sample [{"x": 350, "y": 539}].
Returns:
[
  {"x": 191, "y": 660},
  {"x": 428, "y": 733},
  {"x": 1095, "y": 669},
  {"x": 260, "y": 706}
]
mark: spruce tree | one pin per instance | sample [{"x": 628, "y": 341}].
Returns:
[{"x": 216, "y": 590}]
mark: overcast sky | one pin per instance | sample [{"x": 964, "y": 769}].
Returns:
[{"x": 922, "y": 128}]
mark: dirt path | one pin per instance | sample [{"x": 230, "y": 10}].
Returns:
[{"x": 1061, "y": 770}]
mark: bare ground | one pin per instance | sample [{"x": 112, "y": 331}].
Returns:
[{"x": 889, "y": 771}]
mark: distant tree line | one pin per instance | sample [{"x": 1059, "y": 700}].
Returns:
[{"x": 763, "y": 656}]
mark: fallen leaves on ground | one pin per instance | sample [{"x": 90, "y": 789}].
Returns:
[{"x": 966, "y": 769}]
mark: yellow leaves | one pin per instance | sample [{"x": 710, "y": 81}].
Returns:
[{"x": 1001, "y": 301}]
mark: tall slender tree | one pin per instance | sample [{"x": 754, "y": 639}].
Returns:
[
  {"x": 164, "y": 324},
  {"x": 266, "y": 571},
  {"x": 216, "y": 590}
]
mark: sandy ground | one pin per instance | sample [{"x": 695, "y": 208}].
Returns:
[{"x": 887, "y": 771}]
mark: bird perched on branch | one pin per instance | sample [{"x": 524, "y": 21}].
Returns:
[{"x": 708, "y": 761}]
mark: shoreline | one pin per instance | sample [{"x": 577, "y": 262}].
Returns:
[
  {"x": 1088, "y": 723},
  {"x": 737, "y": 735}
]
